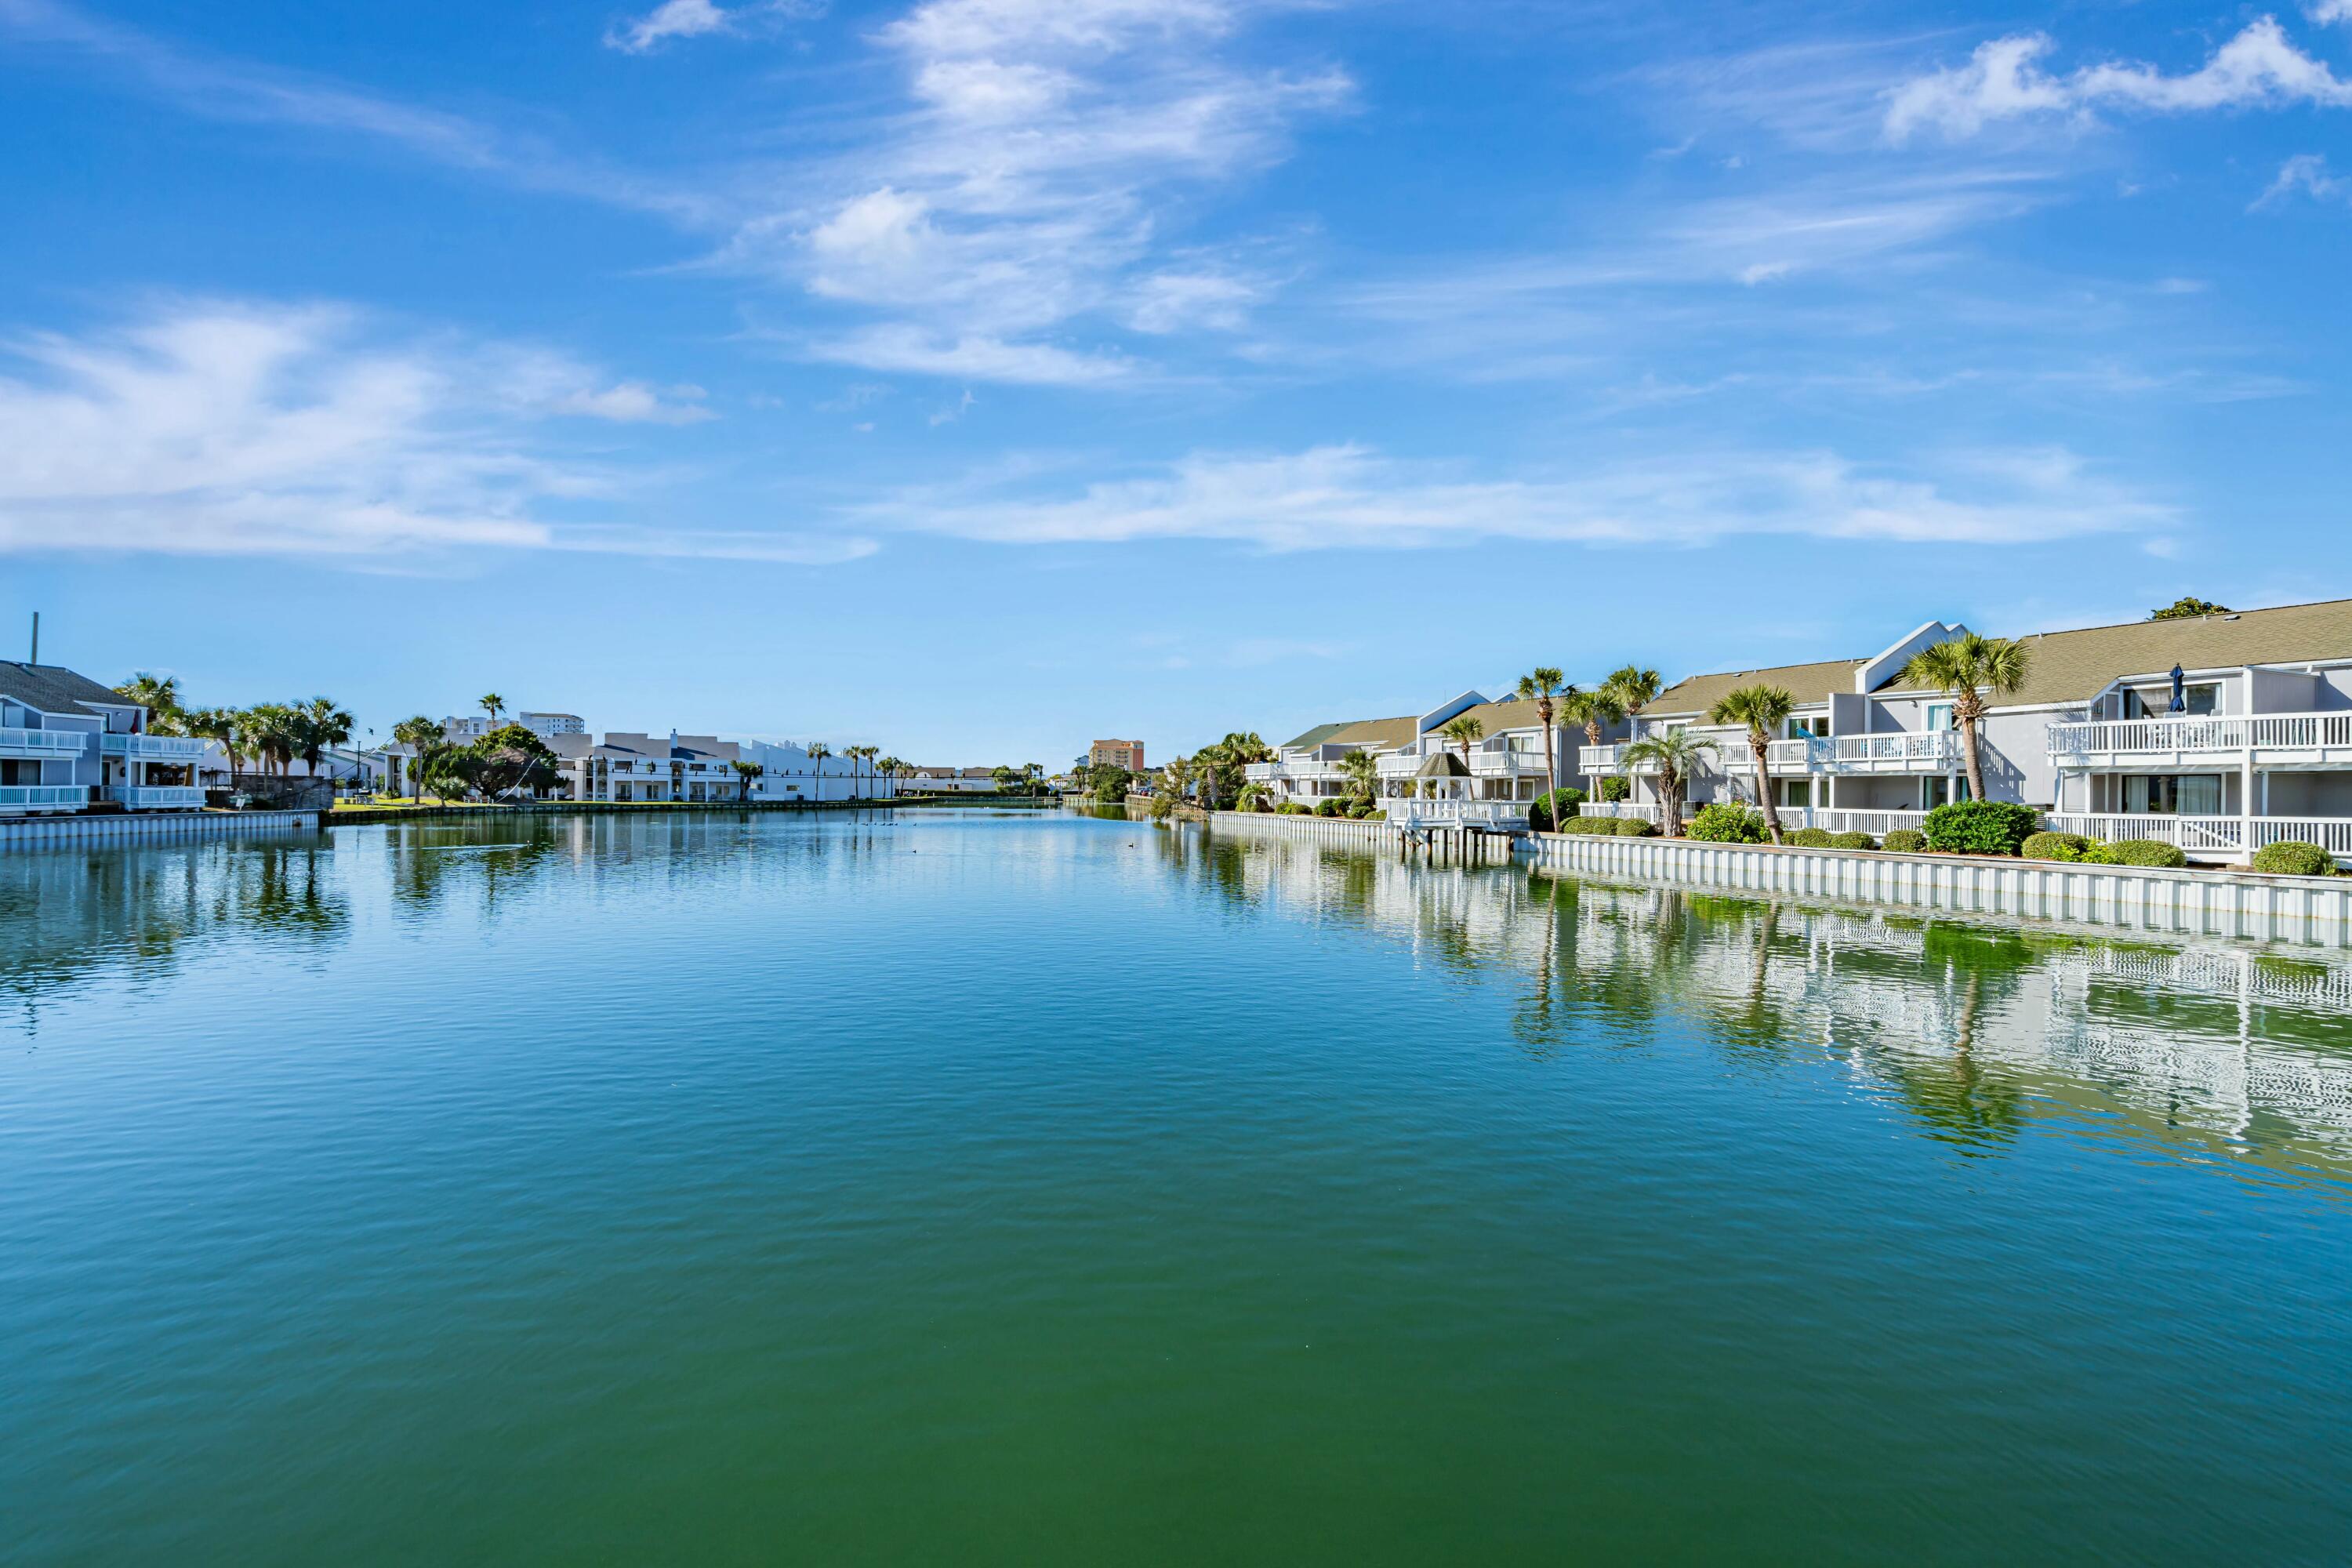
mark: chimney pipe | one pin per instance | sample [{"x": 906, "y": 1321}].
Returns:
[{"x": 37, "y": 638}]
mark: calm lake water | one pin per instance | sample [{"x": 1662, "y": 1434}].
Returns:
[{"x": 1048, "y": 1190}]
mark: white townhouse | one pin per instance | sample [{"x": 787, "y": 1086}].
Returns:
[
  {"x": 2219, "y": 733},
  {"x": 787, "y": 773},
  {"x": 1491, "y": 779},
  {"x": 630, "y": 766},
  {"x": 69, "y": 744}
]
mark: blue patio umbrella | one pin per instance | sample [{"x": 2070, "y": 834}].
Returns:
[{"x": 2180, "y": 703}]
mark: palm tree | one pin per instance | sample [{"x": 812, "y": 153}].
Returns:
[
  {"x": 160, "y": 695},
  {"x": 1544, "y": 683},
  {"x": 493, "y": 704},
  {"x": 1462, "y": 732},
  {"x": 744, "y": 773},
  {"x": 316, "y": 725},
  {"x": 817, "y": 752},
  {"x": 1363, "y": 768},
  {"x": 268, "y": 729},
  {"x": 1761, "y": 710},
  {"x": 1176, "y": 773},
  {"x": 424, "y": 736},
  {"x": 890, "y": 768},
  {"x": 215, "y": 724},
  {"x": 1675, "y": 753},
  {"x": 1592, "y": 709},
  {"x": 1634, "y": 689},
  {"x": 1964, "y": 669}
]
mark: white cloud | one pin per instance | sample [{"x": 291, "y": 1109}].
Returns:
[
  {"x": 208, "y": 427},
  {"x": 1352, "y": 496},
  {"x": 1031, "y": 181},
  {"x": 2332, "y": 11},
  {"x": 242, "y": 92},
  {"x": 699, "y": 18},
  {"x": 2305, "y": 174},
  {"x": 913, "y": 351},
  {"x": 2260, "y": 68}
]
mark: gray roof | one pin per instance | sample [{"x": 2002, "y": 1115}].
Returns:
[
  {"x": 1805, "y": 682},
  {"x": 54, "y": 688},
  {"x": 1442, "y": 766}
]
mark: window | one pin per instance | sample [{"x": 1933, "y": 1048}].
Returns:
[
  {"x": 1940, "y": 716},
  {"x": 2169, "y": 794},
  {"x": 1808, "y": 728},
  {"x": 1797, "y": 793}
]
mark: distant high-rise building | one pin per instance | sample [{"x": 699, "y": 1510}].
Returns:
[{"x": 1128, "y": 754}]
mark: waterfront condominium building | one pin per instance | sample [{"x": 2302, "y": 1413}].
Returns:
[
  {"x": 1128, "y": 754},
  {"x": 2219, "y": 733},
  {"x": 787, "y": 773},
  {"x": 69, "y": 744},
  {"x": 631, "y": 767}
]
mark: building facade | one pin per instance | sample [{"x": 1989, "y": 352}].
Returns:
[
  {"x": 1128, "y": 754},
  {"x": 70, "y": 745}
]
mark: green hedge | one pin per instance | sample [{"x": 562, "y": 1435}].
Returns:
[
  {"x": 1328, "y": 807},
  {"x": 1807, "y": 838},
  {"x": 1608, "y": 826},
  {"x": 1905, "y": 841},
  {"x": 2055, "y": 847},
  {"x": 1980, "y": 826},
  {"x": 1725, "y": 822},
  {"x": 1559, "y": 805},
  {"x": 1296, "y": 808},
  {"x": 1853, "y": 841},
  {"x": 2293, "y": 860},
  {"x": 2138, "y": 852},
  {"x": 1616, "y": 789}
]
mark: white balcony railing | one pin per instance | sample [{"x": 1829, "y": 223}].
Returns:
[
  {"x": 2217, "y": 836},
  {"x": 1401, "y": 765},
  {"x": 156, "y": 797},
  {"x": 1618, "y": 808},
  {"x": 156, "y": 748},
  {"x": 23, "y": 797},
  {"x": 16, "y": 743},
  {"x": 1896, "y": 752},
  {"x": 1503, "y": 764},
  {"x": 1261, "y": 773},
  {"x": 1459, "y": 813},
  {"x": 2277, "y": 740}
]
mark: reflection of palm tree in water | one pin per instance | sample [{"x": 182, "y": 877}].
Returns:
[{"x": 1959, "y": 1099}]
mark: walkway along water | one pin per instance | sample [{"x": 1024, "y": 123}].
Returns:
[{"x": 2308, "y": 910}]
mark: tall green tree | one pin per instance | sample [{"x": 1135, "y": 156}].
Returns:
[
  {"x": 510, "y": 758},
  {"x": 744, "y": 773},
  {"x": 1545, "y": 685},
  {"x": 1965, "y": 669},
  {"x": 160, "y": 695},
  {"x": 1590, "y": 711},
  {"x": 1760, "y": 710},
  {"x": 215, "y": 724},
  {"x": 1462, "y": 732},
  {"x": 1634, "y": 688},
  {"x": 1361, "y": 768},
  {"x": 493, "y": 704},
  {"x": 424, "y": 736},
  {"x": 817, "y": 752},
  {"x": 316, "y": 724},
  {"x": 1674, "y": 754}
]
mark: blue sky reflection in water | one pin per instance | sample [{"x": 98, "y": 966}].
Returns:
[{"x": 964, "y": 1189}]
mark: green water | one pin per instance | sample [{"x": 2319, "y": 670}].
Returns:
[{"x": 997, "y": 1188}]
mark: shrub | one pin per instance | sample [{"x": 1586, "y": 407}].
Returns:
[
  {"x": 1361, "y": 810},
  {"x": 1853, "y": 841},
  {"x": 1161, "y": 807},
  {"x": 1330, "y": 807},
  {"x": 2293, "y": 860},
  {"x": 1616, "y": 789},
  {"x": 1602, "y": 825},
  {"x": 1378, "y": 816},
  {"x": 2138, "y": 852},
  {"x": 1630, "y": 827},
  {"x": 1295, "y": 808},
  {"x": 2055, "y": 847},
  {"x": 1980, "y": 826},
  {"x": 1807, "y": 838},
  {"x": 1905, "y": 841},
  {"x": 1726, "y": 822},
  {"x": 1556, "y": 806}
]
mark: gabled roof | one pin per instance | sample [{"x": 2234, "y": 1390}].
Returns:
[
  {"x": 1805, "y": 682},
  {"x": 1315, "y": 737},
  {"x": 2076, "y": 666},
  {"x": 1381, "y": 733},
  {"x": 54, "y": 688}
]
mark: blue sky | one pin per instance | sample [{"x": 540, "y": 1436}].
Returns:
[{"x": 976, "y": 377}]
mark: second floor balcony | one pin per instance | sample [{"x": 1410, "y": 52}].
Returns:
[
  {"x": 156, "y": 748},
  {"x": 2273, "y": 741},
  {"x": 16, "y": 743}
]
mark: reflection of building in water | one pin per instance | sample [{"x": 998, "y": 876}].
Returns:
[{"x": 1981, "y": 1031}]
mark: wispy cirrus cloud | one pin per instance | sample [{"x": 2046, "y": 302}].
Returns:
[
  {"x": 1350, "y": 497},
  {"x": 2003, "y": 79},
  {"x": 674, "y": 19},
  {"x": 219, "y": 427},
  {"x": 2308, "y": 174},
  {"x": 1027, "y": 183},
  {"x": 224, "y": 89}
]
